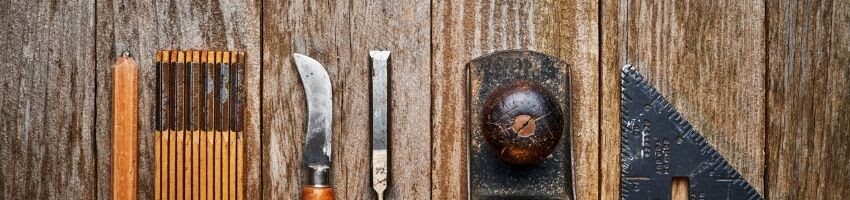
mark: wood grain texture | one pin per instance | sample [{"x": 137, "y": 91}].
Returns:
[
  {"x": 808, "y": 97},
  {"x": 765, "y": 82},
  {"x": 47, "y": 110},
  {"x": 463, "y": 30},
  {"x": 323, "y": 31},
  {"x": 707, "y": 58},
  {"x": 142, "y": 27}
]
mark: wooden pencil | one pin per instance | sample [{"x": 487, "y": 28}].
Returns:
[{"x": 125, "y": 121}]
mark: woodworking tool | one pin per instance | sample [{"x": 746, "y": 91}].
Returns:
[
  {"x": 199, "y": 151},
  {"x": 124, "y": 125},
  {"x": 658, "y": 144},
  {"x": 519, "y": 136},
  {"x": 379, "y": 121},
  {"x": 317, "y": 144}
]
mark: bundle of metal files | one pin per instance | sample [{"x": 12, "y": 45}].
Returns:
[{"x": 199, "y": 150}]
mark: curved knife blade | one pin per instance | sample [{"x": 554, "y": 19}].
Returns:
[{"x": 317, "y": 145}]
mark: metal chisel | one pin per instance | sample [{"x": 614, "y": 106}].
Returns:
[
  {"x": 317, "y": 144},
  {"x": 379, "y": 121}
]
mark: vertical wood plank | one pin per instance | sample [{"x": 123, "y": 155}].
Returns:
[
  {"x": 613, "y": 34},
  {"x": 463, "y": 30},
  {"x": 808, "y": 97},
  {"x": 47, "y": 145},
  {"x": 707, "y": 58},
  {"x": 142, "y": 27},
  {"x": 283, "y": 104}
]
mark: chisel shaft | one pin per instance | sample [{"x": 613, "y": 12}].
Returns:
[{"x": 380, "y": 154}]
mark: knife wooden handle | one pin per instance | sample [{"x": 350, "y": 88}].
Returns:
[{"x": 317, "y": 193}]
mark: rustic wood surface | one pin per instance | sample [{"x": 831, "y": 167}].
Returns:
[
  {"x": 765, "y": 81},
  {"x": 808, "y": 100},
  {"x": 47, "y": 141}
]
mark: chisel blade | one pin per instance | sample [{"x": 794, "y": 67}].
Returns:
[
  {"x": 658, "y": 144},
  {"x": 379, "y": 121}
]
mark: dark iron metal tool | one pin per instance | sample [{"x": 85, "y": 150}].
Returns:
[
  {"x": 317, "y": 145},
  {"x": 658, "y": 144},
  {"x": 519, "y": 117},
  {"x": 380, "y": 154}
]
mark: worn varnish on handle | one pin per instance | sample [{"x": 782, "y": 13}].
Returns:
[
  {"x": 125, "y": 148},
  {"x": 519, "y": 127},
  {"x": 199, "y": 150}
]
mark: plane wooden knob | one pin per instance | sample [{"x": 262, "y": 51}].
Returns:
[{"x": 522, "y": 123}]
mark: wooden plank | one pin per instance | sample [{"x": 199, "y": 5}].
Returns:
[
  {"x": 707, "y": 58},
  {"x": 463, "y": 30},
  {"x": 283, "y": 106},
  {"x": 808, "y": 131},
  {"x": 142, "y": 27},
  {"x": 48, "y": 103},
  {"x": 612, "y": 60}
]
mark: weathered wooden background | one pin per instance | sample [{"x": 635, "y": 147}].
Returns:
[{"x": 767, "y": 81}]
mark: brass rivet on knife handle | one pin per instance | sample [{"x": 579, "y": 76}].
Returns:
[{"x": 125, "y": 122}]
